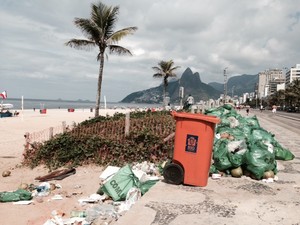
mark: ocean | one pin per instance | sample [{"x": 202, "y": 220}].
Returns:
[{"x": 66, "y": 104}]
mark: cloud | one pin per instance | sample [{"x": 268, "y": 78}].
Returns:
[{"x": 207, "y": 36}]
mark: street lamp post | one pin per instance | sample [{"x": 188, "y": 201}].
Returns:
[
  {"x": 225, "y": 84},
  {"x": 256, "y": 93}
]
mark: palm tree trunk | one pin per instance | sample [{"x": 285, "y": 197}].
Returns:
[
  {"x": 164, "y": 95},
  {"x": 98, "y": 97},
  {"x": 165, "y": 90}
]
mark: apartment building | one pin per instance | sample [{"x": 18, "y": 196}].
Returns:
[
  {"x": 268, "y": 80},
  {"x": 292, "y": 74}
]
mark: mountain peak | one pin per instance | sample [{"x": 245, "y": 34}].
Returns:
[
  {"x": 189, "y": 81},
  {"x": 189, "y": 76}
]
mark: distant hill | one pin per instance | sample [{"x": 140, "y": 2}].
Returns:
[
  {"x": 239, "y": 84},
  {"x": 190, "y": 81},
  {"x": 193, "y": 85}
]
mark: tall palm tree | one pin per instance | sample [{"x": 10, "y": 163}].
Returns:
[
  {"x": 293, "y": 93},
  {"x": 165, "y": 69},
  {"x": 99, "y": 31}
]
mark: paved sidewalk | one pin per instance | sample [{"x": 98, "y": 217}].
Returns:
[{"x": 228, "y": 200}]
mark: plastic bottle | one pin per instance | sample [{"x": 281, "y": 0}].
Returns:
[{"x": 76, "y": 213}]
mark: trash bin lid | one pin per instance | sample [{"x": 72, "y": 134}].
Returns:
[{"x": 211, "y": 119}]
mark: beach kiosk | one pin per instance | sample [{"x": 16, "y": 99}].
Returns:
[{"x": 192, "y": 154}]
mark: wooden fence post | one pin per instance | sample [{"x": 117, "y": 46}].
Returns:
[
  {"x": 27, "y": 141},
  {"x": 64, "y": 126},
  {"x": 127, "y": 124},
  {"x": 50, "y": 132}
]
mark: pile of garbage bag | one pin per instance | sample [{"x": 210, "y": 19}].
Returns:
[{"x": 243, "y": 147}]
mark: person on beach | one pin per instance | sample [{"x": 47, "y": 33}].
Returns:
[{"x": 261, "y": 108}]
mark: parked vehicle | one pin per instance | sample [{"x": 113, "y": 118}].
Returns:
[{"x": 291, "y": 109}]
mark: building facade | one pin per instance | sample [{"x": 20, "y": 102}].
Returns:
[
  {"x": 292, "y": 74},
  {"x": 268, "y": 80}
]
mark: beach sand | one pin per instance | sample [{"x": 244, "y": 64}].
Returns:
[{"x": 80, "y": 185}]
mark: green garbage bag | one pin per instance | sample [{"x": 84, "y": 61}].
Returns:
[
  {"x": 214, "y": 112},
  {"x": 247, "y": 130},
  {"x": 261, "y": 134},
  {"x": 220, "y": 152},
  {"x": 213, "y": 169},
  {"x": 236, "y": 160},
  {"x": 237, "y": 133},
  {"x": 14, "y": 196},
  {"x": 259, "y": 160},
  {"x": 282, "y": 153},
  {"x": 118, "y": 186},
  {"x": 145, "y": 186},
  {"x": 252, "y": 121}
]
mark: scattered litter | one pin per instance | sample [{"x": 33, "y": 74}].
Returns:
[
  {"x": 141, "y": 175},
  {"x": 120, "y": 191},
  {"x": 56, "y": 218},
  {"x": 269, "y": 180},
  {"x": 57, "y": 197},
  {"x": 216, "y": 176},
  {"x": 57, "y": 175},
  {"x": 6, "y": 173},
  {"x": 133, "y": 195},
  {"x": 42, "y": 190},
  {"x": 76, "y": 213},
  {"x": 101, "y": 210},
  {"x": 93, "y": 198},
  {"x": 14, "y": 196},
  {"x": 108, "y": 172},
  {"x": 23, "y": 202}
]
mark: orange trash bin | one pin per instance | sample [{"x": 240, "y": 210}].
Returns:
[{"x": 192, "y": 155}]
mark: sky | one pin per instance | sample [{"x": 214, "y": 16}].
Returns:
[{"x": 245, "y": 37}]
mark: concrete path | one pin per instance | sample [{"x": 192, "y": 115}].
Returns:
[{"x": 228, "y": 200}]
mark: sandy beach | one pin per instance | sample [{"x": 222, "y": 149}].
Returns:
[{"x": 80, "y": 185}]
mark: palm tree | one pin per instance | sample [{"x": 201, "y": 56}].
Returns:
[
  {"x": 293, "y": 93},
  {"x": 165, "y": 69},
  {"x": 99, "y": 31}
]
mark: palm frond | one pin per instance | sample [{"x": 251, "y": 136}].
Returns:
[
  {"x": 88, "y": 28},
  {"x": 81, "y": 44},
  {"x": 111, "y": 20},
  {"x": 174, "y": 68},
  {"x": 157, "y": 75},
  {"x": 156, "y": 69},
  {"x": 119, "y": 50},
  {"x": 105, "y": 17},
  {"x": 118, "y": 35}
]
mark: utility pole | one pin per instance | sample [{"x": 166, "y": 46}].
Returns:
[
  {"x": 225, "y": 84},
  {"x": 256, "y": 93}
]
